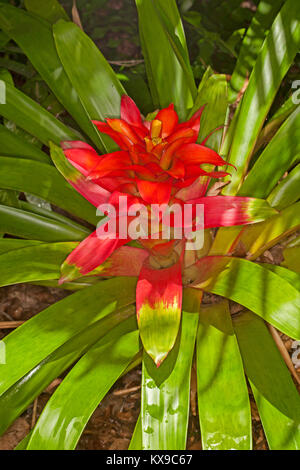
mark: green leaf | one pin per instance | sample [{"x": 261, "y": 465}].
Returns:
[
  {"x": 25, "y": 224},
  {"x": 44, "y": 181},
  {"x": 23, "y": 444},
  {"x": 9, "y": 198},
  {"x": 291, "y": 258},
  {"x": 70, "y": 407},
  {"x": 165, "y": 53},
  {"x": 39, "y": 46},
  {"x": 17, "y": 67},
  {"x": 274, "y": 60},
  {"x": 11, "y": 244},
  {"x": 50, "y": 214},
  {"x": 257, "y": 288},
  {"x": 165, "y": 391},
  {"x": 34, "y": 263},
  {"x": 290, "y": 276},
  {"x": 51, "y": 10},
  {"x": 223, "y": 402},
  {"x": 287, "y": 191},
  {"x": 275, "y": 394},
  {"x": 281, "y": 153},
  {"x": 252, "y": 42},
  {"x": 34, "y": 119},
  {"x": 50, "y": 329},
  {"x": 18, "y": 397},
  {"x": 213, "y": 94},
  {"x": 136, "y": 442},
  {"x": 275, "y": 122},
  {"x": 258, "y": 238},
  {"x": 90, "y": 74},
  {"x": 13, "y": 145}
]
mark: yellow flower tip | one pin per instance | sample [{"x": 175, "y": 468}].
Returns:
[{"x": 156, "y": 127}]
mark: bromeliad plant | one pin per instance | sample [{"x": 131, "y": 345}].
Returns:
[{"x": 107, "y": 149}]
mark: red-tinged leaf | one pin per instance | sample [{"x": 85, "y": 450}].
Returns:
[
  {"x": 120, "y": 126},
  {"x": 87, "y": 256},
  {"x": 83, "y": 159},
  {"x": 159, "y": 300},
  {"x": 196, "y": 189},
  {"x": 225, "y": 211},
  {"x": 189, "y": 134},
  {"x": 76, "y": 144},
  {"x": 130, "y": 112},
  {"x": 169, "y": 119},
  {"x": 125, "y": 261},
  {"x": 170, "y": 150},
  {"x": 192, "y": 123},
  {"x": 113, "y": 183},
  {"x": 177, "y": 169},
  {"x": 154, "y": 193},
  {"x": 121, "y": 140},
  {"x": 95, "y": 194},
  {"x": 193, "y": 171},
  {"x": 109, "y": 163},
  {"x": 193, "y": 154}
]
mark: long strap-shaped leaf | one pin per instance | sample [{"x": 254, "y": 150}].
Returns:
[
  {"x": 252, "y": 42},
  {"x": 33, "y": 226},
  {"x": 169, "y": 81},
  {"x": 292, "y": 258},
  {"x": 90, "y": 74},
  {"x": 70, "y": 407},
  {"x": 34, "y": 119},
  {"x": 275, "y": 394},
  {"x": 34, "y": 262},
  {"x": 277, "y": 158},
  {"x": 46, "y": 182},
  {"x": 224, "y": 408},
  {"x": 17, "y": 398},
  {"x": 165, "y": 391},
  {"x": 290, "y": 276},
  {"x": 40, "y": 48},
  {"x": 13, "y": 145},
  {"x": 287, "y": 191},
  {"x": 257, "y": 239},
  {"x": 11, "y": 244},
  {"x": 257, "y": 288},
  {"x": 52, "y": 11},
  {"x": 47, "y": 331},
  {"x": 274, "y": 60}
]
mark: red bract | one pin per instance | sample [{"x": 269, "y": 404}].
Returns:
[{"x": 159, "y": 162}]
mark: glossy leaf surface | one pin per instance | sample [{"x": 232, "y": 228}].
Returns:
[
  {"x": 268, "y": 72},
  {"x": 281, "y": 153},
  {"x": 165, "y": 391},
  {"x": 90, "y": 74},
  {"x": 50, "y": 329},
  {"x": 168, "y": 79},
  {"x": 14, "y": 145},
  {"x": 39, "y": 46},
  {"x": 275, "y": 394},
  {"x": 224, "y": 408},
  {"x": 83, "y": 389},
  {"x": 32, "y": 226},
  {"x": 44, "y": 181},
  {"x": 17, "y": 398},
  {"x": 255, "y": 287},
  {"x": 34, "y": 119}
]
